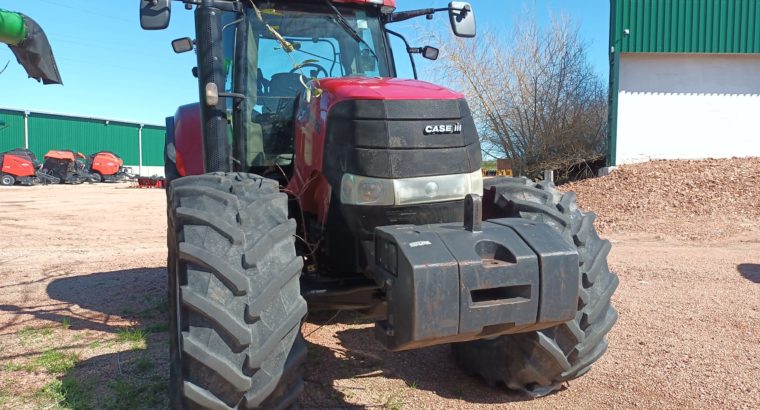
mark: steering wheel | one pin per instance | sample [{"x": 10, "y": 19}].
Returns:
[{"x": 316, "y": 66}]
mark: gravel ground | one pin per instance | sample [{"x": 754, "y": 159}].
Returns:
[{"x": 82, "y": 268}]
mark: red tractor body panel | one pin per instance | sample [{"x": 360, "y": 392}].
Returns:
[
  {"x": 106, "y": 163},
  {"x": 18, "y": 166},
  {"x": 310, "y": 128},
  {"x": 188, "y": 143},
  {"x": 375, "y": 88}
]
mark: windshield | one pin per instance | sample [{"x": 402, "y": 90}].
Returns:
[{"x": 273, "y": 77}]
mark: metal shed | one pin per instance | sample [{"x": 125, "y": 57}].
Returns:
[
  {"x": 684, "y": 79},
  {"x": 140, "y": 145}
]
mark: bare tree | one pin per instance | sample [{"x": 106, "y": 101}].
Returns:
[{"x": 537, "y": 102}]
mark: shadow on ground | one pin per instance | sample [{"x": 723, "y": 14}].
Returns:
[
  {"x": 360, "y": 356},
  {"x": 750, "y": 271},
  {"x": 136, "y": 376},
  {"x": 132, "y": 370}
]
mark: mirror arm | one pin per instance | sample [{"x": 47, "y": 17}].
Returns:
[
  {"x": 408, "y": 49},
  {"x": 406, "y": 15}
]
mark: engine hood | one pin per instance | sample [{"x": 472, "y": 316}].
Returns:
[{"x": 376, "y": 88}]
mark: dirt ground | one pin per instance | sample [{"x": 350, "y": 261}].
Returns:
[{"x": 83, "y": 302}]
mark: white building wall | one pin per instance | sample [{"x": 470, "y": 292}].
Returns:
[{"x": 688, "y": 106}]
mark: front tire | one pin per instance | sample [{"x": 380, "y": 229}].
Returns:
[
  {"x": 234, "y": 294},
  {"x": 7, "y": 180},
  {"x": 95, "y": 177},
  {"x": 538, "y": 362}
]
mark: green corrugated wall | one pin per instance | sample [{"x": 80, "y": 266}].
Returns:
[
  {"x": 153, "y": 145},
  {"x": 85, "y": 135},
  {"x": 686, "y": 26},
  {"x": 11, "y": 130},
  {"x": 48, "y": 132}
]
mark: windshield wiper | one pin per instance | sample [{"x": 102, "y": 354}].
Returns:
[{"x": 343, "y": 23}]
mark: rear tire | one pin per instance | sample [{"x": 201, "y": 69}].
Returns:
[
  {"x": 538, "y": 362},
  {"x": 236, "y": 307},
  {"x": 7, "y": 180}
]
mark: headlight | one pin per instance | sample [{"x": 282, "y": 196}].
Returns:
[{"x": 358, "y": 190}]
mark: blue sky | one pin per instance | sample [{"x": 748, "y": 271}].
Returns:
[{"x": 113, "y": 69}]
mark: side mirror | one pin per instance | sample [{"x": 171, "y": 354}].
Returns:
[
  {"x": 462, "y": 19},
  {"x": 431, "y": 53},
  {"x": 154, "y": 14},
  {"x": 182, "y": 45}
]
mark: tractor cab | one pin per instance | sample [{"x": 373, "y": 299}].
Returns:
[{"x": 273, "y": 78}]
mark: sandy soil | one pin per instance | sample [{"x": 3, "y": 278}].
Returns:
[{"x": 81, "y": 264}]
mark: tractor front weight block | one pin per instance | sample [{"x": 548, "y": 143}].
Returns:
[{"x": 445, "y": 283}]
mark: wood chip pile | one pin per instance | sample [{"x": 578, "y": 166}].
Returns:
[{"x": 686, "y": 199}]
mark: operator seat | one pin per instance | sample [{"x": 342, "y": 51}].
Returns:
[{"x": 283, "y": 88}]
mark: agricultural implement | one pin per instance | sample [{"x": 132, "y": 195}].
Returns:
[
  {"x": 303, "y": 131},
  {"x": 106, "y": 166},
  {"x": 66, "y": 165},
  {"x": 21, "y": 166}
]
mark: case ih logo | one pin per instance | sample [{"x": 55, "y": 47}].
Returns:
[{"x": 443, "y": 129}]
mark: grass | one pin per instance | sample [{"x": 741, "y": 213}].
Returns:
[
  {"x": 144, "y": 364},
  {"x": 393, "y": 402},
  {"x": 29, "y": 334},
  {"x": 55, "y": 361},
  {"x": 51, "y": 361},
  {"x": 5, "y": 396},
  {"x": 135, "y": 336},
  {"x": 138, "y": 394},
  {"x": 66, "y": 323},
  {"x": 67, "y": 393}
]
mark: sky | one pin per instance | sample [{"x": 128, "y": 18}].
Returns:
[{"x": 111, "y": 68}]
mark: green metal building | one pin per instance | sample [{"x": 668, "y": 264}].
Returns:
[
  {"x": 140, "y": 145},
  {"x": 684, "y": 79}
]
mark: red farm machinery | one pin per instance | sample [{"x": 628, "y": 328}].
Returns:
[
  {"x": 66, "y": 165},
  {"x": 309, "y": 177},
  {"x": 106, "y": 166},
  {"x": 21, "y": 166}
]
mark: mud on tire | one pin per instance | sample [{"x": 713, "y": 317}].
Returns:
[
  {"x": 234, "y": 294},
  {"x": 538, "y": 362}
]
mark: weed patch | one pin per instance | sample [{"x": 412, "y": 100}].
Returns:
[
  {"x": 135, "y": 336},
  {"x": 67, "y": 393}
]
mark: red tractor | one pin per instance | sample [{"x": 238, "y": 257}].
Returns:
[
  {"x": 21, "y": 165},
  {"x": 309, "y": 175}
]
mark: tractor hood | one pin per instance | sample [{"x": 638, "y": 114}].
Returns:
[{"x": 375, "y": 88}]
